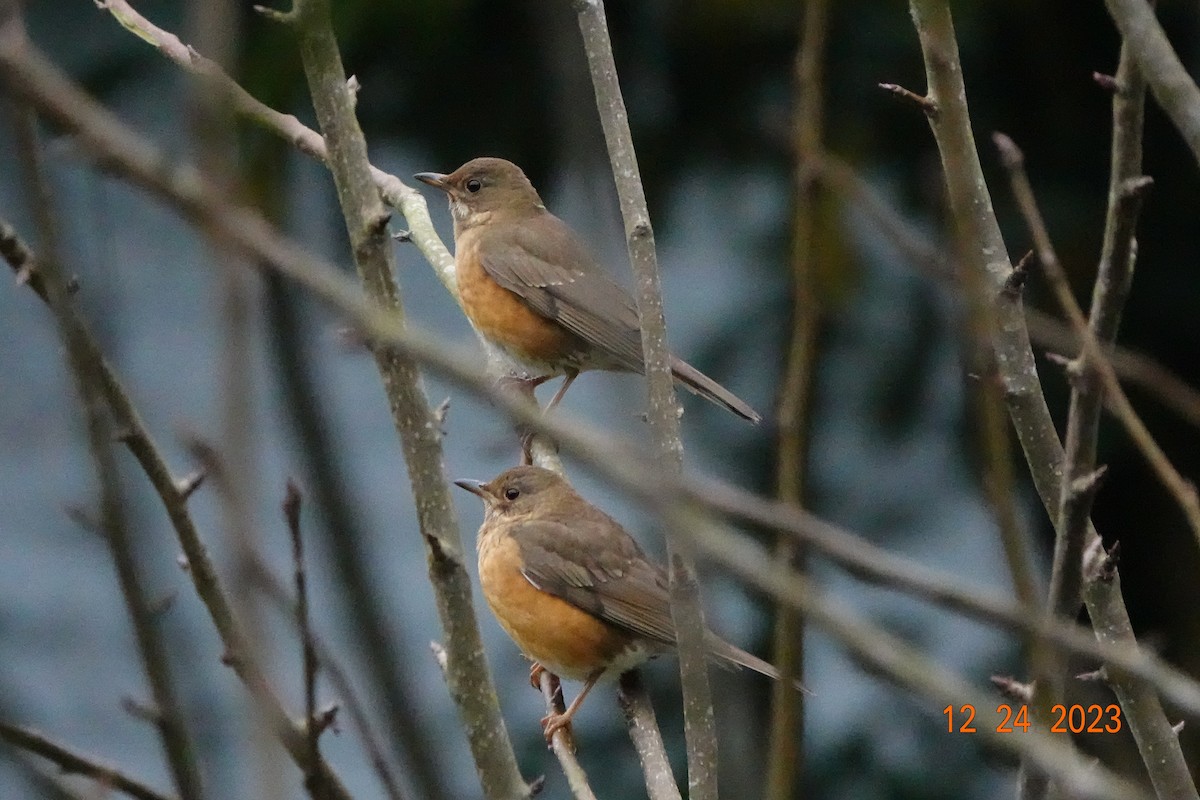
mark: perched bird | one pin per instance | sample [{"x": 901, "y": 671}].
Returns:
[
  {"x": 572, "y": 588},
  {"x": 530, "y": 286}
]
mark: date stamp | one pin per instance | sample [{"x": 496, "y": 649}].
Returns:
[{"x": 1073, "y": 718}]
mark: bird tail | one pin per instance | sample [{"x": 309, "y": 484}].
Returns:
[
  {"x": 729, "y": 656},
  {"x": 699, "y": 383}
]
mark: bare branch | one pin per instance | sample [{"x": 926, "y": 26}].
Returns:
[
  {"x": 1180, "y": 488},
  {"x": 88, "y": 380},
  {"x": 74, "y": 762},
  {"x": 647, "y": 740},
  {"x": 292, "y": 502},
  {"x": 662, "y": 408},
  {"x": 1173, "y": 88},
  {"x": 468, "y": 677},
  {"x": 785, "y": 752},
  {"x": 562, "y": 742}
]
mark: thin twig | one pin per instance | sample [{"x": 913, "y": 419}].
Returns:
[
  {"x": 395, "y": 192},
  {"x": 1133, "y": 367},
  {"x": 74, "y": 762},
  {"x": 646, "y": 737},
  {"x": 378, "y": 636},
  {"x": 785, "y": 752},
  {"x": 662, "y": 409},
  {"x": 328, "y": 662},
  {"x": 86, "y": 372},
  {"x": 292, "y": 503},
  {"x": 173, "y": 495},
  {"x": 563, "y": 742},
  {"x": 469, "y": 678},
  {"x": 1113, "y": 278},
  {"x": 1179, "y": 487}
]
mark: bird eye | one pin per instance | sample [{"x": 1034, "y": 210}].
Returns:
[
  {"x": 512, "y": 493},
  {"x": 473, "y": 185}
]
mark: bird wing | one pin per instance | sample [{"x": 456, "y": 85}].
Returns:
[
  {"x": 607, "y": 576},
  {"x": 541, "y": 260}
]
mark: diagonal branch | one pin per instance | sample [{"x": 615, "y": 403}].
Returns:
[
  {"x": 73, "y": 762},
  {"x": 1180, "y": 488},
  {"x": 647, "y": 739},
  {"x": 973, "y": 212},
  {"x": 1173, "y": 88},
  {"x": 395, "y": 192},
  {"x": 468, "y": 676},
  {"x": 167, "y": 714}
]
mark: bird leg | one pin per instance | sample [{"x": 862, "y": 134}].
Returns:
[
  {"x": 522, "y": 388},
  {"x": 552, "y": 723},
  {"x": 571, "y": 375}
]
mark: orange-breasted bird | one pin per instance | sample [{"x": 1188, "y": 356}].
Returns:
[
  {"x": 530, "y": 286},
  {"x": 572, "y": 587}
]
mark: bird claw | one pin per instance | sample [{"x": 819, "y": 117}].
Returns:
[
  {"x": 553, "y": 723},
  {"x": 535, "y": 675}
]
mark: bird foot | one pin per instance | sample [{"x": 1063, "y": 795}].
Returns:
[
  {"x": 535, "y": 677},
  {"x": 553, "y": 723}
]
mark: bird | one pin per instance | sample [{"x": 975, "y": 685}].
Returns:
[
  {"x": 573, "y": 589},
  {"x": 531, "y": 287}
]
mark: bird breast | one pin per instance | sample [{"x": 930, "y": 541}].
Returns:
[
  {"x": 504, "y": 318},
  {"x": 569, "y": 642}
]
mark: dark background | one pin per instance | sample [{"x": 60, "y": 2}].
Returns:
[{"x": 708, "y": 87}]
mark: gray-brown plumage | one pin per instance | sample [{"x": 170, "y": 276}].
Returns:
[
  {"x": 572, "y": 587},
  {"x": 532, "y": 288}
]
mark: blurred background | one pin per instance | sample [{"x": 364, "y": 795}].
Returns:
[{"x": 709, "y": 91}]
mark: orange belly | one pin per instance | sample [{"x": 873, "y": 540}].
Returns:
[
  {"x": 505, "y": 319},
  {"x": 565, "y": 640}
]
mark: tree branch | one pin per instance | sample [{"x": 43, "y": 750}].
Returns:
[
  {"x": 167, "y": 715},
  {"x": 1181, "y": 489},
  {"x": 663, "y": 409},
  {"x": 563, "y": 741},
  {"x": 1173, "y": 88},
  {"x": 468, "y": 676},
  {"x": 646, "y": 737},
  {"x": 785, "y": 752},
  {"x": 74, "y": 762}
]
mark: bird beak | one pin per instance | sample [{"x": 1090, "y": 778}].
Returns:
[
  {"x": 474, "y": 487},
  {"x": 435, "y": 179}
]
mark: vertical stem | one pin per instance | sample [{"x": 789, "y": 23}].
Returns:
[
  {"x": 662, "y": 409},
  {"x": 785, "y": 755},
  {"x": 1113, "y": 278}
]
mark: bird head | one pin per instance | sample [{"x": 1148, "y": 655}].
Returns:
[
  {"x": 518, "y": 491},
  {"x": 484, "y": 188}
]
